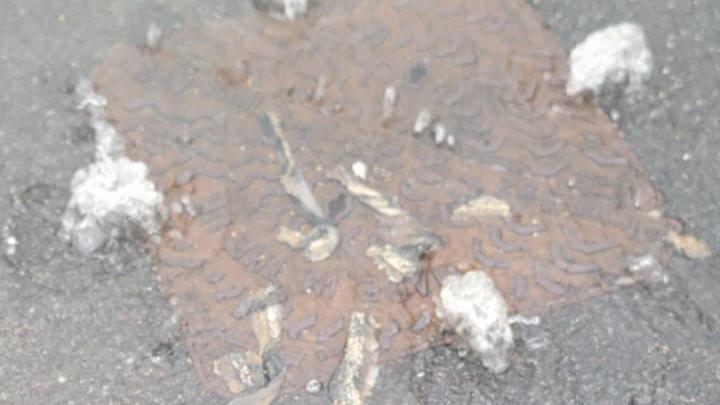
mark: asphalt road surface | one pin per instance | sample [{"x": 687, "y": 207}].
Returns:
[{"x": 96, "y": 330}]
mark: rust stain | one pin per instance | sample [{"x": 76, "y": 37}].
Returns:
[{"x": 486, "y": 70}]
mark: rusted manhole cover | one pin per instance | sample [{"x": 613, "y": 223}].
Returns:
[{"x": 487, "y": 70}]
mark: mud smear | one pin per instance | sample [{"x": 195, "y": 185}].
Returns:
[{"x": 194, "y": 111}]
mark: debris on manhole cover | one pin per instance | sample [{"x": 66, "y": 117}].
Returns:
[
  {"x": 348, "y": 161},
  {"x": 357, "y": 373},
  {"x": 474, "y": 308},
  {"x": 614, "y": 56}
]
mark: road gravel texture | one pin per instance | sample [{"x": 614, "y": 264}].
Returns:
[{"x": 95, "y": 329}]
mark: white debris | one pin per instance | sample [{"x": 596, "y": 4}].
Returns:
[
  {"x": 291, "y": 237},
  {"x": 422, "y": 122},
  {"x": 356, "y": 376},
  {"x": 534, "y": 343},
  {"x": 11, "y": 242},
  {"x": 484, "y": 206},
  {"x": 263, "y": 396},
  {"x": 405, "y": 239},
  {"x": 450, "y": 141},
  {"x": 360, "y": 170},
  {"x": 689, "y": 245},
  {"x": 241, "y": 372},
  {"x": 396, "y": 264},
  {"x": 324, "y": 239},
  {"x": 114, "y": 187},
  {"x": 383, "y": 205},
  {"x": 643, "y": 263},
  {"x": 319, "y": 244},
  {"x": 88, "y": 97},
  {"x": 257, "y": 376},
  {"x": 647, "y": 266},
  {"x": 313, "y": 386},
  {"x": 295, "y": 185},
  {"x": 112, "y": 191},
  {"x": 261, "y": 300},
  {"x": 11, "y": 245},
  {"x": 88, "y": 235},
  {"x": 267, "y": 326},
  {"x": 319, "y": 92},
  {"x": 440, "y": 133},
  {"x": 283, "y": 10},
  {"x": 615, "y": 55},
  {"x": 472, "y": 306},
  {"x": 524, "y": 320},
  {"x": 108, "y": 144},
  {"x": 187, "y": 205},
  {"x": 153, "y": 36},
  {"x": 388, "y": 105},
  {"x": 292, "y": 179},
  {"x": 295, "y": 8}
]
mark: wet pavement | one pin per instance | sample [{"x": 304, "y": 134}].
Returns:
[{"x": 643, "y": 344}]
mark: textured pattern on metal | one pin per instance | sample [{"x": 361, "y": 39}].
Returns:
[{"x": 487, "y": 70}]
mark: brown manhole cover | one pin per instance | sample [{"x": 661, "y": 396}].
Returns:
[{"x": 487, "y": 71}]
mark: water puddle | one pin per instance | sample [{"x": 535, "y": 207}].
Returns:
[{"x": 508, "y": 175}]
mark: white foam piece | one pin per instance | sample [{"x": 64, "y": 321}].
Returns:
[
  {"x": 111, "y": 188},
  {"x": 475, "y": 309},
  {"x": 614, "y": 55}
]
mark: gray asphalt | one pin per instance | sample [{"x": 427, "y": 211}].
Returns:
[
  {"x": 97, "y": 331},
  {"x": 74, "y": 329}
]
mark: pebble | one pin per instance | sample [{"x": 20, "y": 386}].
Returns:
[
  {"x": 360, "y": 169},
  {"x": 313, "y": 386}
]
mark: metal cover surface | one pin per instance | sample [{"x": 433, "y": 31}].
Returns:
[{"x": 195, "y": 110}]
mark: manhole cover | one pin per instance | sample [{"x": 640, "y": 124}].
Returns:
[{"x": 572, "y": 208}]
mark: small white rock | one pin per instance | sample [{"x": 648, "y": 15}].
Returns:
[
  {"x": 397, "y": 265},
  {"x": 88, "y": 236},
  {"x": 153, "y": 36},
  {"x": 440, "y": 133},
  {"x": 450, "y": 141},
  {"x": 475, "y": 309},
  {"x": 389, "y": 99},
  {"x": 313, "y": 386},
  {"x": 188, "y": 206},
  {"x": 111, "y": 187},
  {"x": 355, "y": 377},
  {"x": 643, "y": 263},
  {"x": 484, "y": 206},
  {"x": 11, "y": 244},
  {"x": 360, "y": 170},
  {"x": 323, "y": 240},
  {"x": 422, "y": 122},
  {"x": 295, "y": 8},
  {"x": 615, "y": 54}
]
